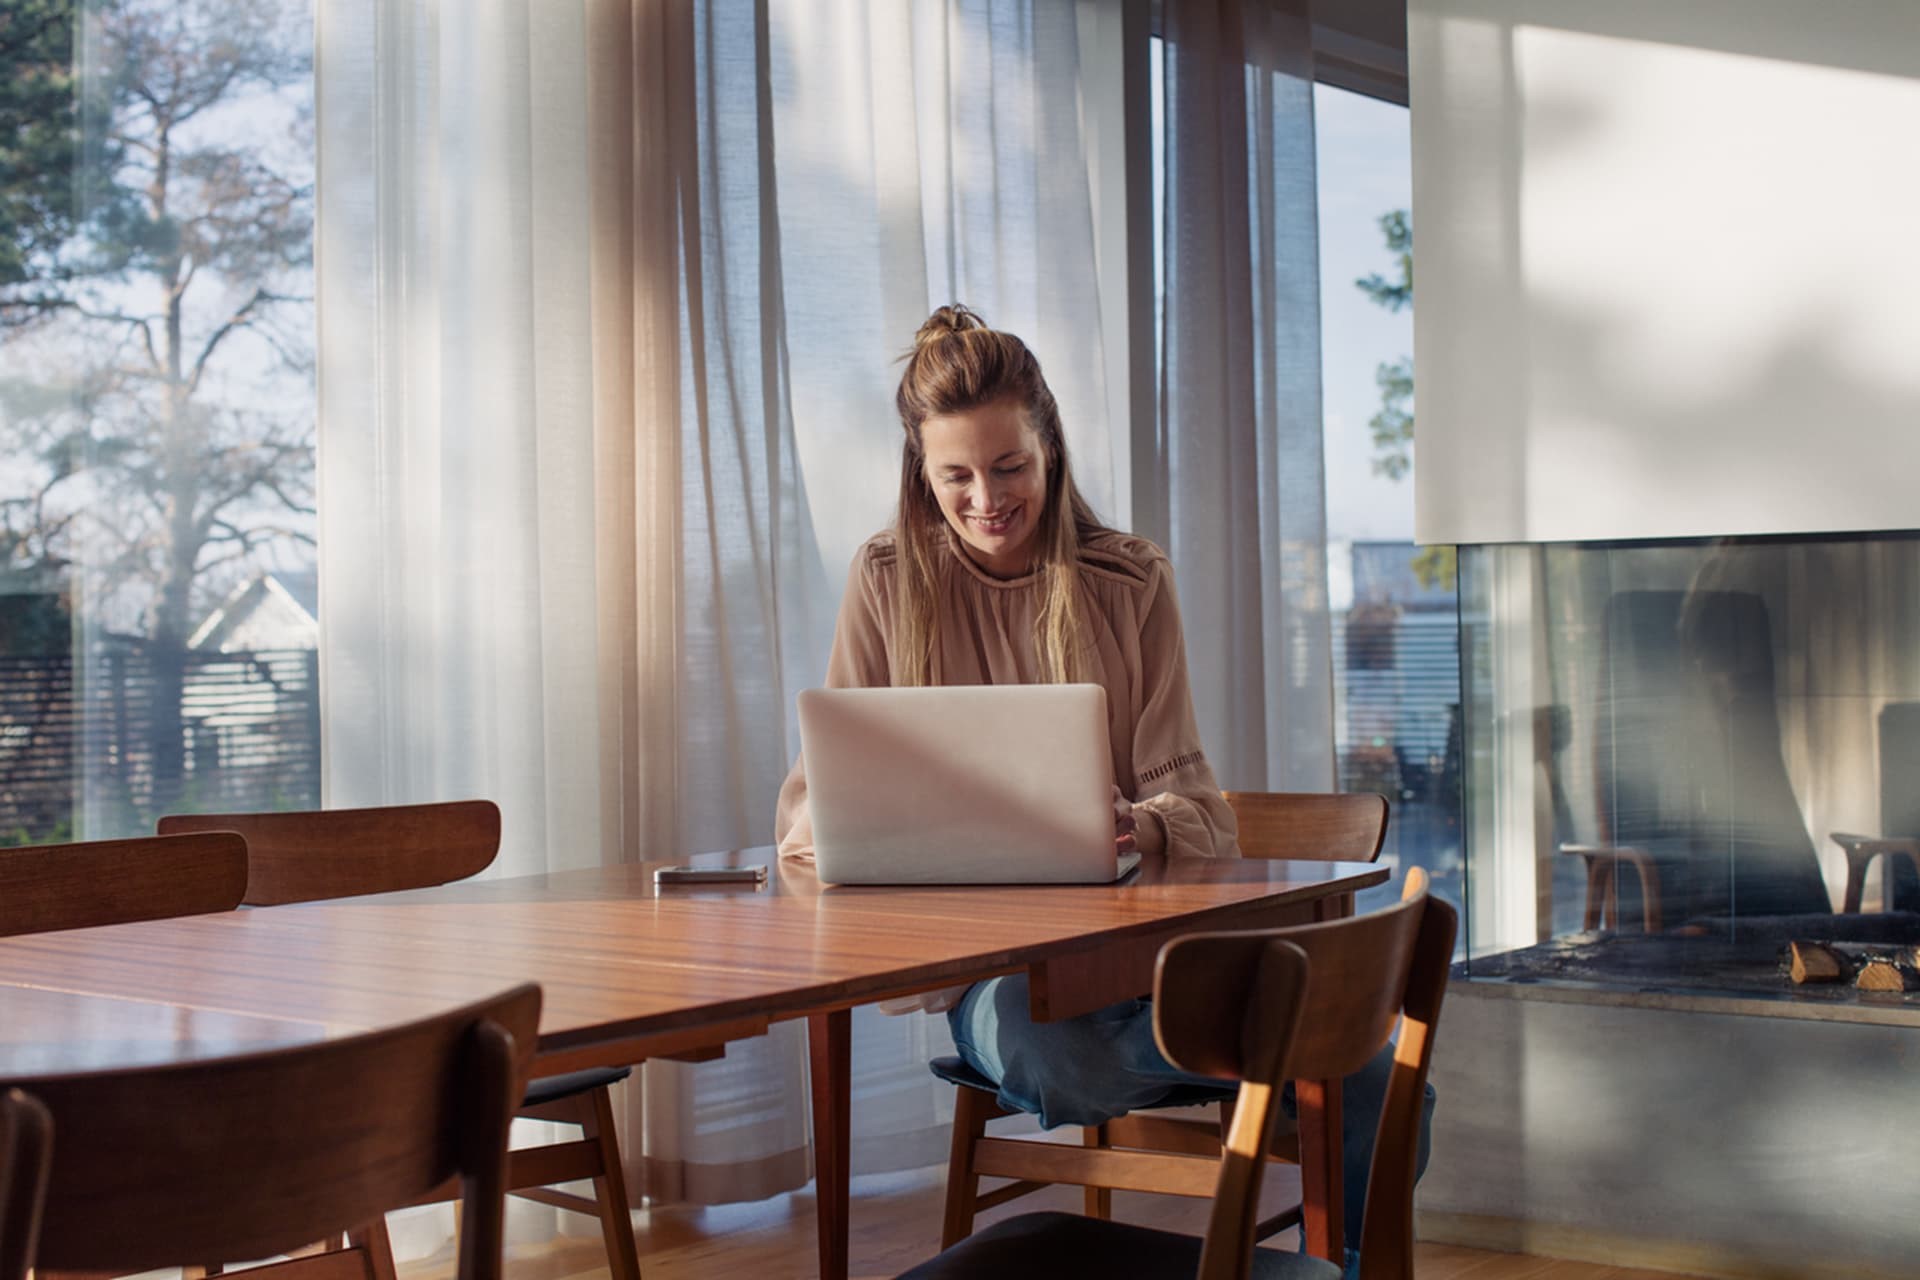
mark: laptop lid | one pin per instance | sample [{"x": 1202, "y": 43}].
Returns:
[{"x": 966, "y": 784}]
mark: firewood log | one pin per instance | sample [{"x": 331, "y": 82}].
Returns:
[
  {"x": 1885, "y": 975},
  {"x": 1815, "y": 962}
]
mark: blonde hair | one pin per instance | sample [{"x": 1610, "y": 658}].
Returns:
[{"x": 958, "y": 364}]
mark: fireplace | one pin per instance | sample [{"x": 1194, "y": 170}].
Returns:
[{"x": 1683, "y": 757}]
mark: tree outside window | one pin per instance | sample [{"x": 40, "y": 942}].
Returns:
[{"x": 156, "y": 403}]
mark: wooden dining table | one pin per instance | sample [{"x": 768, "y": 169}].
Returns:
[{"x": 630, "y": 972}]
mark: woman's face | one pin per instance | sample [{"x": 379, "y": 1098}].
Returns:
[{"x": 988, "y": 470}]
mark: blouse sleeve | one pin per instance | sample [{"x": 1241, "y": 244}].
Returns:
[
  {"x": 858, "y": 660},
  {"x": 1175, "y": 796}
]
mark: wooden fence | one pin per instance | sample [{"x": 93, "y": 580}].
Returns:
[{"x": 77, "y": 746}]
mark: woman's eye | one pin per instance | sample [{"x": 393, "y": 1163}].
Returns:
[{"x": 1010, "y": 471}]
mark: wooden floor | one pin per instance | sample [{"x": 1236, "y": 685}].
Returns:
[{"x": 896, "y": 1223}]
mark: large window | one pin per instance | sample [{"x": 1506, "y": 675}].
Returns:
[
  {"x": 158, "y": 629},
  {"x": 1393, "y": 605}
]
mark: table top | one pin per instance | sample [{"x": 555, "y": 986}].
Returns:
[
  {"x": 47, "y": 1032},
  {"x": 618, "y": 960}
]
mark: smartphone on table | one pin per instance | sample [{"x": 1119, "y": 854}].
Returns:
[{"x": 664, "y": 877}]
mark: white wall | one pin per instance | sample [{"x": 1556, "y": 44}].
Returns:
[
  {"x": 1669, "y": 267},
  {"x": 1711, "y": 1143}
]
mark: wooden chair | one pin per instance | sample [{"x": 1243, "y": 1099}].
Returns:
[
  {"x": 257, "y": 1155},
  {"x": 25, "y": 1131},
  {"x": 1694, "y": 815},
  {"x": 1899, "y": 734},
  {"x": 1312, "y": 1003},
  {"x": 76, "y": 886},
  {"x": 1143, "y": 1151},
  {"x": 305, "y": 856},
  {"x": 334, "y": 853},
  {"x": 1339, "y": 826}
]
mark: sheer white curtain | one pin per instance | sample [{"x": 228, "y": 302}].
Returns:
[
  {"x": 456, "y": 415},
  {"x": 930, "y": 151},
  {"x": 1241, "y": 473},
  {"x": 463, "y": 555},
  {"x": 609, "y": 293}
]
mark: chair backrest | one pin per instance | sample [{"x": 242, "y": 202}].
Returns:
[
  {"x": 1686, "y": 756},
  {"x": 251, "y": 1156},
  {"x": 1340, "y": 826},
  {"x": 340, "y": 853},
  {"x": 1311, "y": 1003},
  {"x": 75, "y": 886},
  {"x": 25, "y": 1132}
]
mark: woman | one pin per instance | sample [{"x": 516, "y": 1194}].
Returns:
[{"x": 996, "y": 571}]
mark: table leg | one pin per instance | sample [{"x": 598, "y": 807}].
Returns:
[
  {"x": 1335, "y": 906},
  {"x": 1317, "y": 1103},
  {"x": 830, "y": 1052}
]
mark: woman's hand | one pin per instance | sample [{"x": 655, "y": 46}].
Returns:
[{"x": 1124, "y": 824}]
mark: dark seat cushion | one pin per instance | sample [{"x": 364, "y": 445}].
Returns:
[
  {"x": 1053, "y": 1245},
  {"x": 554, "y": 1088},
  {"x": 955, "y": 1071}
]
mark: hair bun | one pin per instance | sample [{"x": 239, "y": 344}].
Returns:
[{"x": 946, "y": 321}]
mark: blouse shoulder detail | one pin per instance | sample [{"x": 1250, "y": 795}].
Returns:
[
  {"x": 880, "y": 551},
  {"x": 1124, "y": 557}
]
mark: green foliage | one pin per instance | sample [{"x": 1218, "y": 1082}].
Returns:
[
  {"x": 61, "y": 832},
  {"x": 1392, "y": 426},
  {"x": 39, "y": 135},
  {"x": 1437, "y": 566},
  {"x": 1397, "y": 292},
  {"x": 56, "y": 181},
  {"x": 33, "y": 622}
]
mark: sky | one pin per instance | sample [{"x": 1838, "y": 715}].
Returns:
[
  {"x": 1365, "y": 165},
  {"x": 1365, "y": 170}
]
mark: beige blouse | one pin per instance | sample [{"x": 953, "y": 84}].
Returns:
[{"x": 987, "y": 628}]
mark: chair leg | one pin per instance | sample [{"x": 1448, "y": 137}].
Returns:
[
  {"x": 1597, "y": 871},
  {"x": 971, "y": 1111},
  {"x": 379, "y": 1248},
  {"x": 1099, "y": 1199},
  {"x": 610, "y": 1190}
]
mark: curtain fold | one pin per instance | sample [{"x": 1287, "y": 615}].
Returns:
[
  {"x": 456, "y": 415},
  {"x": 1240, "y": 458}
]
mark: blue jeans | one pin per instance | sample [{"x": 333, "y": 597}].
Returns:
[{"x": 1087, "y": 1070}]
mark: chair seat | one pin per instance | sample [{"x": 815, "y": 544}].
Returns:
[
  {"x": 553, "y": 1088},
  {"x": 1065, "y": 1244},
  {"x": 955, "y": 1071}
]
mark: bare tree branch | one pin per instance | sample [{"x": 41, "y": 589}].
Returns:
[{"x": 238, "y": 319}]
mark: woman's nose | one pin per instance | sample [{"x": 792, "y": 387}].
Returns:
[{"x": 984, "y": 497}]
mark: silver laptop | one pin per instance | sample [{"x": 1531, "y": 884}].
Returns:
[{"x": 979, "y": 784}]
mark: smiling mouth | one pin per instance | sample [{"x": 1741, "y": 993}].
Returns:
[{"x": 997, "y": 525}]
